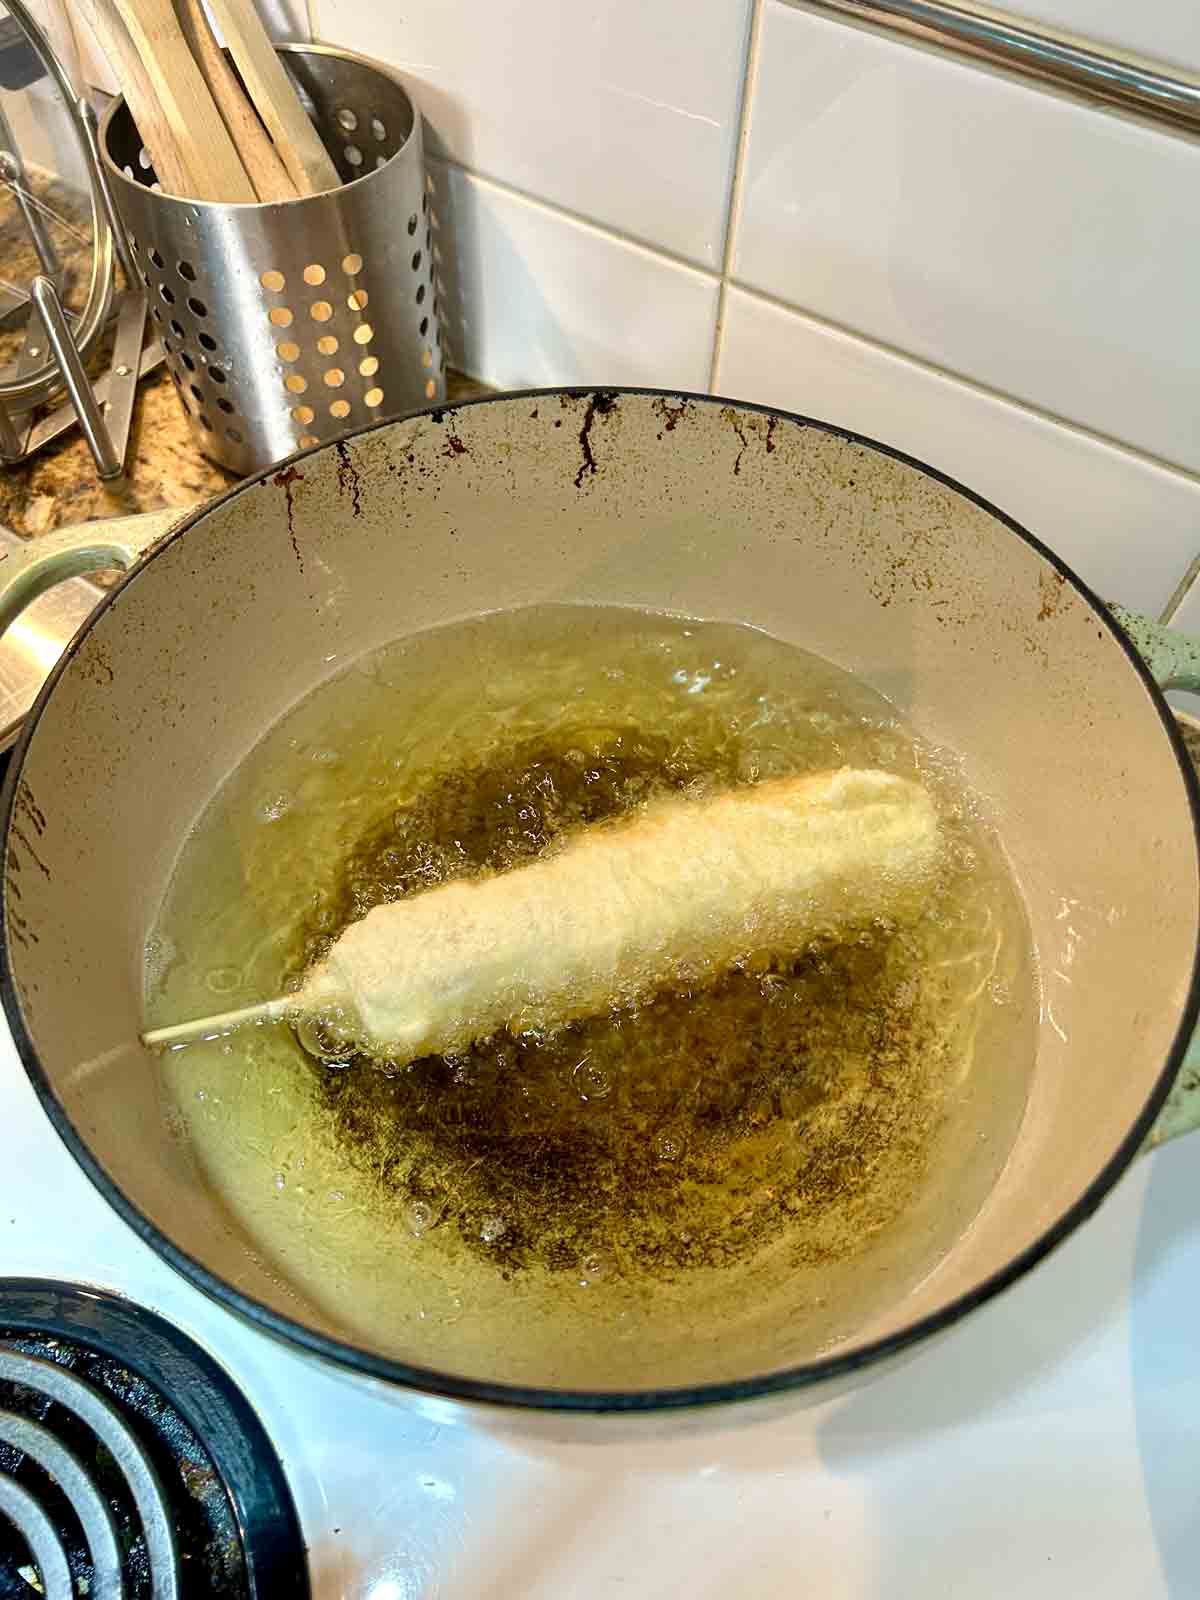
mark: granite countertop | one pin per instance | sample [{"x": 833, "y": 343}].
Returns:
[{"x": 59, "y": 485}]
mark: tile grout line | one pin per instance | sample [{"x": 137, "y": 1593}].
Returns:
[
  {"x": 1182, "y": 589},
  {"x": 1106, "y": 440},
  {"x": 578, "y": 218},
  {"x": 310, "y": 9},
  {"x": 734, "y": 210}
]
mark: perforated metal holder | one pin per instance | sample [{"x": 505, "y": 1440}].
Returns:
[{"x": 285, "y": 324}]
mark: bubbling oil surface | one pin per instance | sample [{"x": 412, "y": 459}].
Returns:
[{"x": 719, "y": 1181}]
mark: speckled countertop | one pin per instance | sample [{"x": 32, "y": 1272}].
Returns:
[{"x": 59, "y": 486}]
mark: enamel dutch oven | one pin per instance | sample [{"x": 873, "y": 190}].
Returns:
[{"x": 687, "y": 504}]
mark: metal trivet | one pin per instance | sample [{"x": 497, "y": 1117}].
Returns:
[{"x": 131, "y": 1468}]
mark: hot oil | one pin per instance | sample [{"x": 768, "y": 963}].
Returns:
[{"x": 718, "y": 1182}]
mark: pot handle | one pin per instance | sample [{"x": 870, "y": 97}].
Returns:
[
  {"x": 71, "y": 552},
  {"x": 1174, "y": 661}
]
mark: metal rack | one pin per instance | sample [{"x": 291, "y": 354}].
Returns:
[{"x": 49, "y": 390}]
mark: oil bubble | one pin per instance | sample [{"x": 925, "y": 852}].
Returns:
[
  {"x": 419, "y": 1216},
  {"x": 159, "y": 954},
  {"x": 460, "y": 1067},
  {"x": 493, "y": 1229},
  {"x": 323, "y": 1038},
  {"x": 590, "y": 1080},
  {"x": 597, "y": 1265}
]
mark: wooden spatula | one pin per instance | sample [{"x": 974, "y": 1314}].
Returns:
[
  {"x": 259, "y": 156},
  {"x": 274, "y": 97},
  {"x": 169, "y": 163},
  {"x": 187, "y": 108}
]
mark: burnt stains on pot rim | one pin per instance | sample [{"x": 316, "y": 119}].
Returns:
[
  {"x": 349, "y": 481},
  {"x": 671, "y": 416},
  {"x": 601, "y": 403},
  {"x": 284, "y": 479},
  {"x": 13, "y": 933},
  {"x": 735, "y": 422}
]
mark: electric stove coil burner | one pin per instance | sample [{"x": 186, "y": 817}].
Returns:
[
  {"x": 74, "y": 1479},
  {"x": 131, "y": 1468}
]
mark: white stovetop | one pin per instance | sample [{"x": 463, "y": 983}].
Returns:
[{"x": 1050, "y": 1446}]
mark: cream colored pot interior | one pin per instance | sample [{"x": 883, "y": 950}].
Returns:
[{"x": 638, "y": 500}]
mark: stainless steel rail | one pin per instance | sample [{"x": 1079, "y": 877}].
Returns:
[{"x": 1074, "y": 68}]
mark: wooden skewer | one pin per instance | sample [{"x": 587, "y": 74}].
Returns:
[
  {"x": 223, "y": 1022},
  {"x": 274, "y": 97},
  {"x": 188, "y": 109},
  {"x": 260, "y": 157},
  {"x": 168, "y": 160}
]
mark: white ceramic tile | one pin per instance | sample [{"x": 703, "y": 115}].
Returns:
[
  {"x": 1128, "y": 527},
  {"x": 1168, "y": 30},
  {"x": 625, "y": 112},
  {"x": 533, "y": 297},
  {"x": 1026, "y": 242}
]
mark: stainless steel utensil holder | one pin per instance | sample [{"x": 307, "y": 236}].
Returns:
[{"x": 285, "y": 324}]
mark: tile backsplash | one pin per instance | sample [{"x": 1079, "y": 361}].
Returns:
[
  {"x": 532, "y": 294},
  {"x": 767, "y": 200},
  {"x": 985, "y": 226},
  {"x": 624, "y": 112}
]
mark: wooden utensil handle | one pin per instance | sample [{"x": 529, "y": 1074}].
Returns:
[
  {"x": 259, "y": 156},
  {"x": 170, "y": 167},
  {"x": 188, "y": 109},
  {"x": 275, "y": 98}
]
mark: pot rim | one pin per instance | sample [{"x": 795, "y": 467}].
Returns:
[{"x": 806, "y": 1375}]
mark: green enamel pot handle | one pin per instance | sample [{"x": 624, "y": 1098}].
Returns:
[
  {"x": 90, "y": 547},
  {"x": 1174, "y": 660}
]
